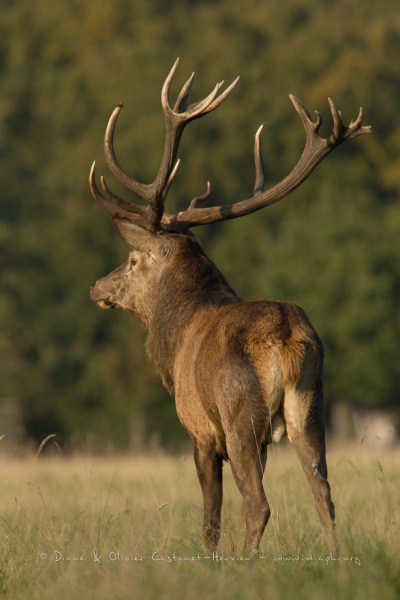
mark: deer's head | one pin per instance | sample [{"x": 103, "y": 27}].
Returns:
[{"x": 156, "y": 237}]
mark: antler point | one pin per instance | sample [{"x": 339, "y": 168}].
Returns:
[{"x": 333, "y": 106}]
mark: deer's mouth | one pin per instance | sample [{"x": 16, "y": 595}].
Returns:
[
  {"x": 97, "y": 296},
  {"x": 105, "y": 303}
]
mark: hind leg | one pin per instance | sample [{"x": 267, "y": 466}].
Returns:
[
  {"x": 263, "y": 462},
  {"x": 306, "y": 431},
  {"x": 248, "y": 472}
]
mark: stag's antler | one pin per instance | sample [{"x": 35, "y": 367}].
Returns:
[
  {"x": 153, "y": 215},
  {"x": 175, "y": 121}
]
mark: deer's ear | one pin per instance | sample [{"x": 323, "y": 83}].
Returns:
[{"x": 135, "y": 236}]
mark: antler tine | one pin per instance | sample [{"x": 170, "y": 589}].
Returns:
[
  {"x": 181, "y": 104},
  {"x": 258, "y": 161},
  {"x": 356, "y": 124},
  {"x": 171, "y": 179},
  {"x": 305, "y": 116},
  {"x": 94, "y": 189},
  {"x": 339, "y": 128},
  {"x": 183, "y": 112},
  {"x": 119, "y": 203},
  {"x": 116, "y": 206},
  {"x": 133, "y": 185},
  {"x": 222, "y": 96},
  {"x": 199, "y": 108},
  {"x": 200, "y": 199},
  {"x": 168, "y": 219},
  {"x": 165, "y": 103},
  {"x": 340, "y": 131}
]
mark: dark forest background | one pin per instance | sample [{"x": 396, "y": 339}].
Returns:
[{"x": 333, "y": 246}]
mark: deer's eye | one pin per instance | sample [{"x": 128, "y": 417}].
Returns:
[{"x": 131, "y": 263}]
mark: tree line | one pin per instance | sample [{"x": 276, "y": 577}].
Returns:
[{"x": 332, "y": 246}]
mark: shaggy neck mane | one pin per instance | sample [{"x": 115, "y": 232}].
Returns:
[{"x": 181, "y": 293}]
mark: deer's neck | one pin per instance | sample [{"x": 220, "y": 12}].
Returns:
[{"x": 182, "y": 295}]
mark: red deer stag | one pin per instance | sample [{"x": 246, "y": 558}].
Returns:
[{"x": 242, "y": 372}]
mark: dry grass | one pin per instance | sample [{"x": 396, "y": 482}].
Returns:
[{"x": 120, "y": 514}]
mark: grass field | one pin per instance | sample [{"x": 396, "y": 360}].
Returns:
[{"x": 111, "y": 528}]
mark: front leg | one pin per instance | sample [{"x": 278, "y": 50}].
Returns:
[{"x": 209, "y": 472}]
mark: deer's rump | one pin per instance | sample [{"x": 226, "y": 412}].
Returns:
[{"x": 235, "y": 365}]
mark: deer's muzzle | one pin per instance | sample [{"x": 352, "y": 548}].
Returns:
[{"x": 96, "y": 296}]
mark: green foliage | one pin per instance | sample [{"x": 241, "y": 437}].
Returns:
[{"x": 332, "y": 247}]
